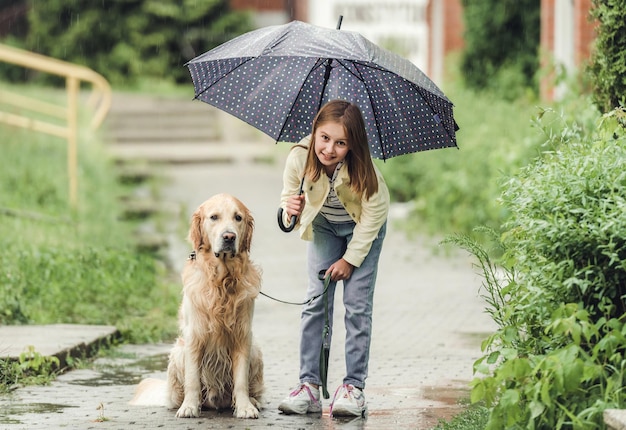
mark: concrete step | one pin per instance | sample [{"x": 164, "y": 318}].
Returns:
[
  {"x": 137, "y": 102},
  {"x": 179, "y": 153},
  {"x": 139, "y": 119},
  {"x": 156, "y": 133},
  {"x": 150, "y": 120}
]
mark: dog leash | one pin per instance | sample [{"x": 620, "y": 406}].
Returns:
[
  {"x": 320, "y": 276},
  {"x": 325, "y": 349}
]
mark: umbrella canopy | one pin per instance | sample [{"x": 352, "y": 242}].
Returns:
[{"x": 276, "y": 79}]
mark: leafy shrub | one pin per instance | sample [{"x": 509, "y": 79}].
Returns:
[
  {"x": 558, "y": 359},
  {"x": 608, "y": 61},
  {"x": 501, "y": 45}
]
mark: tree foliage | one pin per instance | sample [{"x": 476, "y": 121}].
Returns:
[
  {"x": 125, "y": 40},
  {"x": 501, "y": 45},
  {"x": 608, "y": 63}
]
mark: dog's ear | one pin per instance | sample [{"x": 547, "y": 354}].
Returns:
[
  {"x": 195, "y": 230},
  {"x": 246, "y": 240}
]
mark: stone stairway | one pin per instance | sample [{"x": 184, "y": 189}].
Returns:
[{"x": 179, "y": 130}]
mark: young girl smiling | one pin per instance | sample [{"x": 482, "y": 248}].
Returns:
[{"x": 343, "y": 212}]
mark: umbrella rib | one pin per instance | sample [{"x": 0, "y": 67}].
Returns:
[
  {"x": 204, "y": 90},
  {"x": 382, "y": 69},
  {"x": 419, "y": 90},
  {"x": 379, "y": 68},
  {"x": 317, "y": 64},
  {"x": 360, "y": 78}
]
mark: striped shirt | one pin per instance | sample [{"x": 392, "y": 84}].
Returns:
[{"x": 332, "y": 209}]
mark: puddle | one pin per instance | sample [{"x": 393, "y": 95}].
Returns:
[
  {"x": 428, "y": 405},
  {"x": 154, "y": 363},
  {"x": 129, "y": 374},
  {"x": 474, "y": 339},
  {"x": 448, "y": 395},
  {"x": 108, "y": 378},
  {"x": 9, "y": 411}
]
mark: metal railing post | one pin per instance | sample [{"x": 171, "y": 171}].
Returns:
[{"x": 72, "y": 87}]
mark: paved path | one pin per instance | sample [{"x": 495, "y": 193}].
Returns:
[{"x": 428, "y": 324}]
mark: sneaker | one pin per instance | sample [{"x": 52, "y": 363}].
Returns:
[
  {"x": 304, "y": 399},
  {"x": 349, "y": 401}
]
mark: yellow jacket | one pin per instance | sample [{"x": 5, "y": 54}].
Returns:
[{"x": 369, "y": 215}]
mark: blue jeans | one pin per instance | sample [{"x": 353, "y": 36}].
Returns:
[{"x": 328, "y": 245}]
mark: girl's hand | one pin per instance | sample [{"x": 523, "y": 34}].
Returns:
[
  {"x": 295, "y": 205},
  {"x": 339, "y": 270}
]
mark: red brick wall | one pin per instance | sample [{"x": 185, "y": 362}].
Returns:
[
  {"x": 453, "y": 29},
  {"x": 454, "y": 26},
  {"x": 585, "y": 30},
  {"x": 260, "y": 5}
]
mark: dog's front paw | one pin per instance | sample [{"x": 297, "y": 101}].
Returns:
[
  {"x": 188, "y": 410},
  {"x": 246, "y": 411}
]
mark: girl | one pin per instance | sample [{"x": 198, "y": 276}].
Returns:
[{"x": 343, "y": 212}]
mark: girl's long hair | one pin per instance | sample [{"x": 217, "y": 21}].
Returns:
[{"x": 363, "y": 180}]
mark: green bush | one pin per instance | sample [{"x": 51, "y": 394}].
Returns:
[
  {"x": 558, "y": 359},
  {"x": 130, "y": 40},
  {"x": 501, "y": 45},
  {"x": 608, "y": 61}
]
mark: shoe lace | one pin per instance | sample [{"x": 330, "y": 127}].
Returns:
[
  {"x": 299, "y": 389},
  {"x": 348, "y": 388}
]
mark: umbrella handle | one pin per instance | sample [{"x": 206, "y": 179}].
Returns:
[{"x": 293, "y": 219}]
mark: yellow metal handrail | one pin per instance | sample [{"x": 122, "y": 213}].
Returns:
[{"x": 99, "y": 99}]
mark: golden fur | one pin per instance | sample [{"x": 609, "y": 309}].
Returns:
[{"x": 214, "y": 362}]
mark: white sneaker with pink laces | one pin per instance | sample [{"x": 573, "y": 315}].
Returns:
[
  {"x": 304, "y": 399},
  {"x": 349, "y": 401}
]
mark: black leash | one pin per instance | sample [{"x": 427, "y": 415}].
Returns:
[
  {"x": 320, "y": 276},
  {"x": 325, "y": 350}
]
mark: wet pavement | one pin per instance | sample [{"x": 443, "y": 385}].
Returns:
[{"x": 428, "y": 325}]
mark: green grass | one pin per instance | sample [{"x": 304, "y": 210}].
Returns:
[
  {"x": 473, "y": 418},
  {"x": 82, "y": 265}
]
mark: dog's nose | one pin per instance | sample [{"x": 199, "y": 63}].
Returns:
[{"x": 229, "y": 237}]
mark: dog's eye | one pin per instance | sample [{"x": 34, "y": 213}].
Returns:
[
  {"x": 214, "y": 217},
  {"x": 238, "y": 218}
]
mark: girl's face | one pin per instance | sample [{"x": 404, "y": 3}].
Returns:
[{"x": 331, "y": 145}]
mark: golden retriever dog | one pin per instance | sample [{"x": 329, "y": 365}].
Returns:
[{"x": 214, "y": 362}]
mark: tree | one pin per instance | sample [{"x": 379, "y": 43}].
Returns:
[
  {"x": 608, "y": 61},
  {"x": 501, "y": 45},
  {"x": 126, "y": 40}
]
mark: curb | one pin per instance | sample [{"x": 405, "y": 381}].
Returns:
[{"x": 62, "y": 341}]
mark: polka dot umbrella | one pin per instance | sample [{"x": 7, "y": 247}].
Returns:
[{"x": 276, "y": 78}]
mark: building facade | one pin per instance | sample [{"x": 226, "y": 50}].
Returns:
[{"x": 426, "y": 31}]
